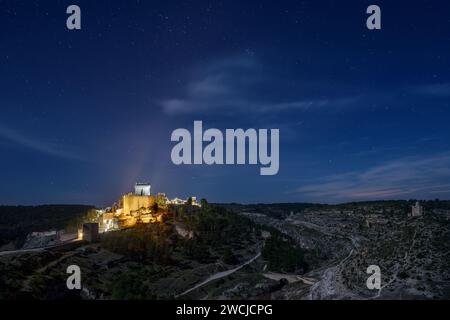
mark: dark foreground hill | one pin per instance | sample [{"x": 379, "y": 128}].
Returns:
[{"x": 17, "y": 221}]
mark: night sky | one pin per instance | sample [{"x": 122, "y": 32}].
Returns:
[{"x": 362, "y": 114}]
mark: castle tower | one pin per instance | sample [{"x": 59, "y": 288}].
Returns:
[{"x": 142, "y": 189}]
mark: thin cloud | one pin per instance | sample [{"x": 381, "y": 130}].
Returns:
[
  {"x": 438, "y": 89},
  {"x": 239, "y": 85},
  {"x": 19, "y": 139},
  {"x": 410, "y": 177},
  {"x": 309, "y": 104}
]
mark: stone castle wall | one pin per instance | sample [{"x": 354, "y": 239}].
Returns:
[{"x": 132, "y": 202}]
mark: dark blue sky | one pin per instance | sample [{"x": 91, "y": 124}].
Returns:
[{"x": 362, "y": 114}]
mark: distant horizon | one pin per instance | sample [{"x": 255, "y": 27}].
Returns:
[{"x": 237, "y": 203}]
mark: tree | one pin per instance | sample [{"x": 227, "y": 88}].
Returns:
[
  {"x": 203, "y": 203},
  {"x": 228, "y": 257},
  {"x": 161, "y": 200}
]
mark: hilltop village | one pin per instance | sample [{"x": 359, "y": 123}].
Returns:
[
  {"x": 139, "y": 206},
  {"x": 131, "y": 209}
]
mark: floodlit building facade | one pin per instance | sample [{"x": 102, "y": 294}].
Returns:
[{"x": 133, "y": 202}]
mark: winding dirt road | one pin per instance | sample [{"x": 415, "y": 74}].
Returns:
[{"x": 219, "y": 275}]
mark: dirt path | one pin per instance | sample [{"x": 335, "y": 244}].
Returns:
[
  {"x": 219, "y": 275},
  {"x": 329, "y": 284},
  {"x": 291, "y": 278},
  {"x": 26, "y": 282},
  {"x": 5, "y": 253},
  {"x": 397, "y": 271}
]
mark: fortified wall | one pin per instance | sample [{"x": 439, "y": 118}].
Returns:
[{"x": 133, "y": 202}]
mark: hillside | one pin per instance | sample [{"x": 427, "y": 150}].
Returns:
[{"x": 17, "y": 221}]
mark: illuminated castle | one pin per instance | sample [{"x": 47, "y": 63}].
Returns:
[
  {"x": 140, "y": 199},
  {"x": 139, "y": 206}
]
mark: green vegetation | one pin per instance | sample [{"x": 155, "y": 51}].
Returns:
[
  {"x": 132, "y": 286},
  {"x": 228, "y": 257},
  {"x": 142, "y": 243},
  {"x": 217, "y": 234},
  {"x": 161, "y": 200},
  {"x": 283, "y": 255},
  {"x": 215, "y": 226}
]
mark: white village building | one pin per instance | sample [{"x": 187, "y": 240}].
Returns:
[{"x": 416, "y": 210}]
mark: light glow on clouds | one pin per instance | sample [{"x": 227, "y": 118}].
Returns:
[{"x": 407, "y": 177}]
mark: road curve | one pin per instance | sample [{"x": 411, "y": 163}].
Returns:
[{"x": 219, "y": 275}]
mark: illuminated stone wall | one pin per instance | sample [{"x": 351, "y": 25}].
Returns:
[{"x": 133, "y": 202}]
